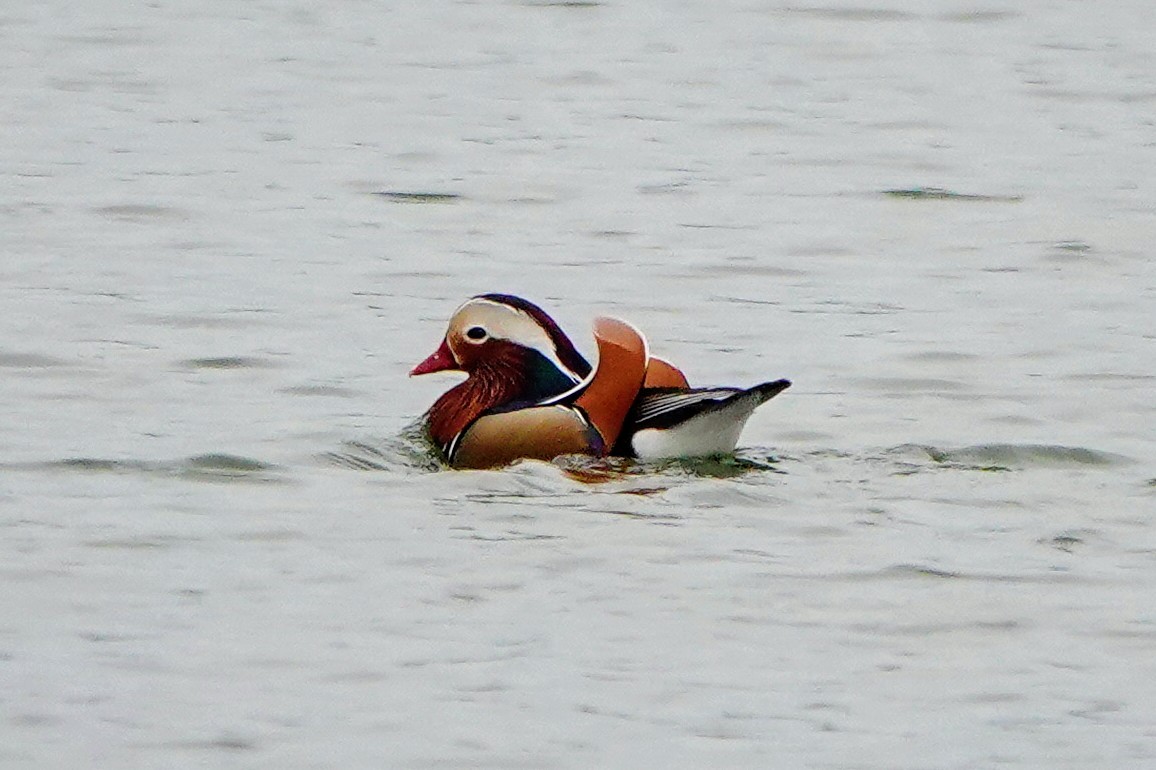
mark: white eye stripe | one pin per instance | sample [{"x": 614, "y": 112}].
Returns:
[{"x": 502, "y": 322}]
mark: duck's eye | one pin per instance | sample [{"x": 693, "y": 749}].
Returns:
[{"x": 476, "y": 333}]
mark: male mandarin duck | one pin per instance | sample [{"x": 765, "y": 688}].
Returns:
[{"x": 529, "y": 393}]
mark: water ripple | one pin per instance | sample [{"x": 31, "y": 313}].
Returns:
[
  {"x": 204, "y": 467},
  {"x": 1009, "y": 456}
]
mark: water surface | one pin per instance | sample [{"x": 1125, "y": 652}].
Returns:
[{"x": 230, "y": 230}]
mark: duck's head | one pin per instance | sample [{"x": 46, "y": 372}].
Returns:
[{"x": 499, "y": 335}]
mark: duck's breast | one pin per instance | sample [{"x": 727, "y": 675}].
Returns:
[{"x": 537, "y": 433}]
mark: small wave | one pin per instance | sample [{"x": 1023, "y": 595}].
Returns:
[
  {"x": 227, "y": 362},
  {"x": 212, "y": 467},
  {"x": 1011, "y": 456},
  {"x": 600, "y": 469},
  {"x": 941, "y": 194},
  {"x": 412, "y": 449},
  {"x": 414, "y": 196},
  {"x": 9, "y": 360},
  {"x": 914, "y": 571},
  {"x": 228, "y": 463}
]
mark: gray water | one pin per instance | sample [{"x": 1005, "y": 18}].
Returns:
[{"x": 229, "y": 229}]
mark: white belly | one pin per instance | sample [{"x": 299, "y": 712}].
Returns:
[{"x": 711, "y": 433}]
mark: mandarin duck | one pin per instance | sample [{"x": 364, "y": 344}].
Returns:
[{"x": 529, "y": 393}]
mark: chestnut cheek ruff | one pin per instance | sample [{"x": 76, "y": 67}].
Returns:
[{"x": 495, "y": 380}]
